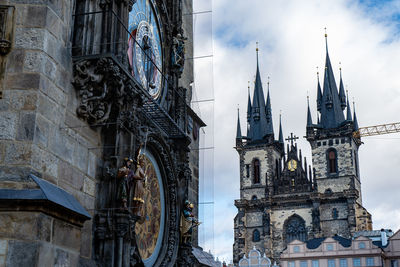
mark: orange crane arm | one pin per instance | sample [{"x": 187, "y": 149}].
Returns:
[{"x": 377, "y": 130}]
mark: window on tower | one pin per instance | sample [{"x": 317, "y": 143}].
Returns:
[
  {"x": 332, "y": 160},
  {"x": 256, "y": 235},
  {"x": 256, "y": 171},
  {"x": 247, "y": 170}
]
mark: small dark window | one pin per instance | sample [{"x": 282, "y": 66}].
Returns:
[
  {"x": 256, "y": 236},
  {"x": 324, "y": 143},
  {"x": 343, "y": 140},
  {"x": 318, "y": 143},
  {"x": 330, "y": 142},
  {"x": 335, "y": 213},
  {"x": 247, "y": 170},
  {"x": 256, "y": 173},
  {"x": 332, "y": 161},
  {"x": 337, "y": 141}
]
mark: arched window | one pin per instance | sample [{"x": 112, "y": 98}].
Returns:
[
  {"x": 256, "y": 236},
  {"x": 332, "y": 160},
  {"x": 295, "y": 228},
  {"x": 256, "y": 171},
  {"x": 254, "y": 197}
]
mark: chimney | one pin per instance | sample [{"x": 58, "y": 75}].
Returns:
[{"x": 383, "y": 237}]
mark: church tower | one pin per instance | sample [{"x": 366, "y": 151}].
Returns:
[
  {"x": 335, "y": 159},
  {"x": 282, "y": 198}
]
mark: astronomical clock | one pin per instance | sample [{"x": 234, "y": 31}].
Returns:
[{"x": 145, "y": 47}]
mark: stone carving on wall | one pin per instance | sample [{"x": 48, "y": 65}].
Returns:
[
  {"x": 316, "y": 220},
  {"x": 6, "y": 28},
  {"x": 100, "y": 85}
]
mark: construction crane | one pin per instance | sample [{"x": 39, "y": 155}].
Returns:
[{"x": 377, "y": 130}]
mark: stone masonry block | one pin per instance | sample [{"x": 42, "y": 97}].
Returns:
[
  {"x": 70, "y": 175},
  {"x": 31, "y": 16},
  {"x": 89, "y": 187},
  {"x": 22, "y": 99},
  {"x": 42, "y": 129},
  {"x": 44, "y": 161},
  {"x": 8, "y": 125},
  {"x": 26, "y": 126},
  {"x": 3, "y": 247},
  {"x": 38, "y": 61},
  {"x": 22, "y": 253},
  {"x": 18, "y": 154},
  {"x": 30, "y": 38},
  {"x": 92, "y": 165},
  {"x": 66, "y": 235},
  {"x": 23, "y": 81},
  {"x": 80, "y": 158},
  {"x": 49, "y": 88},
  {"x": 15, "y": 60},
  {"x": 49, "y": 109}
]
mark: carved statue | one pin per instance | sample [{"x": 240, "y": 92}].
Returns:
[
  {"x": 188, "y": 222},
  {"x": 316, "y": 219},
  {"x": 178, "y": 51},
  {"x": 139, "y": 180},
  {"x": 124, "y": 176}
]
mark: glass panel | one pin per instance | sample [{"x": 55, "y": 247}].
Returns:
[
  {"x": 343, "y": 262},
  {"x": 303, "y": 264},
  {"x": 331, "y": 263},
  {"x": 370, "y": 261},
  {"x": 315, "y": 263}
]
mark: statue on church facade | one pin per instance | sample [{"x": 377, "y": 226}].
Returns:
[
  {"x": 124, "y": 175},
  {"x": 139, "y": 181},
  {"x": 188, "y": 222}
]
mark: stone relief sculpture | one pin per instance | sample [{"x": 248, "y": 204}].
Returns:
[
  {"x": 124, "y": 175},
  {"x": 139, "y": 181}
]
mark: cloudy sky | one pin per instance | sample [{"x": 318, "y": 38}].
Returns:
[{"x": 363, "y": 35}]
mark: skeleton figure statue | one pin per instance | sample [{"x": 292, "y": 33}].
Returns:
[{"x": 188, "y": 222}]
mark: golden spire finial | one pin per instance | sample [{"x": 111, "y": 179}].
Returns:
[
  {"x": 326, "y": 35},
  {"x": 248, "y": 84},
  {"x": 268, "y": 81},
  {"x": 340, "y": 66},
  {"x": 317, "y": 72},
  {"x": 257, "y": 46}
]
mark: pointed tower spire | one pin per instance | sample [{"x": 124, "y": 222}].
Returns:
[
  {"x": 342, "y": 96},
  {"x": 248, "y": 134},
  {"x": 331, "y": 111},
  {"x": 268, "y": 112},
  {"x": 280, "y": 130},
  {"x": 355, "y": 127},
  {"x": 309, "y": 118},
  {"x": 238, "y": 129},
  {"x": 319, "y": 93},
  {"x": 259, "y": 127},
  {"x": 348, "y": 116}
]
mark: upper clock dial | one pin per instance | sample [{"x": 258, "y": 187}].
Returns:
[{"x": 145, "y": 47}]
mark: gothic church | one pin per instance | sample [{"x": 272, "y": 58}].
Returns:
[{"x": 282, "y": 198}]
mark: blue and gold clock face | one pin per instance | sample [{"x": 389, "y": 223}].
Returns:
[
  {"x": 150, "y": 231},
  {"x": 145, "y": 46}
]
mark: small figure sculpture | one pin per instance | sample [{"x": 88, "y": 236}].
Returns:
[
  {"x": 124, "y": 174},
  {"x": 139, "y": 179},
  {"x": 188, "y": 222},
  {"x": 178, "y": 51}
]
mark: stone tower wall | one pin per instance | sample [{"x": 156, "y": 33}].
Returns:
[{"x": 40, "y": 131}]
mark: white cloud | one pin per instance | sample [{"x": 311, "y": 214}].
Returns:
[{"x": 290, "y": 36}]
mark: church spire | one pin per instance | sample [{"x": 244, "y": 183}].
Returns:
[
  {"x": 309, "y": 118},
  {"x": 319, "y": 94},
  {"x": 331, "y": 111},
  {"x": 342, "y": 96},
  {"x": 268, "y": 112},
  {"x": 355, "y": 123},
  {"x": 260, "y": 127},
  {"x": 348, "y": 116},
  {"x": 238, "y": 129},
  {"x": 280, "y": 130}
]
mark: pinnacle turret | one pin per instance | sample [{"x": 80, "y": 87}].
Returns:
[
  {"x": 238, "y": 129},
  {"x": 309, "y": 118},
  {"x": 280, "y": 130}
]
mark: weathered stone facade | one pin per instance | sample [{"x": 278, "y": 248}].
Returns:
[
  {"x": 71, "y": 110},
  {"x": 281, "y": 197}
]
